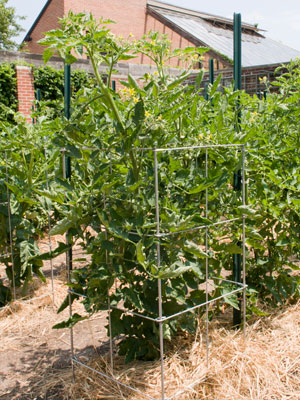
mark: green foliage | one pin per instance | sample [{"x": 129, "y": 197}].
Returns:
[
  {"x": 50, "y": 82},
  {"x": 23, "y": 171},
  {"x": 110, "y": 202},
  {"x": 113, "y": 187},
  {"x": 8, "y": 92},
  {"x": 9, "y": 27}
]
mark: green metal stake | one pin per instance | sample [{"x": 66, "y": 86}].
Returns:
[
  {"x": 237, "y": 179},
  {"x": 38, "y": 99},
  {"x": 211, "y": 71},
  {"x": 38, "y": 94},
  {"x": 237, "y": 54},
  {"x": 206, "y": 91},
  {"x": 67, "y": 99},
  {"x": 113, "y": 85},
  {"x": 67, "y": 102},
  {"x": 32, "y": 119}
]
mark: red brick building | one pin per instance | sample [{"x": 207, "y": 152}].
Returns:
[{"x": 260, "y": 55}]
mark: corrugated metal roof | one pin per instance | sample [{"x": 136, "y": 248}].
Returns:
[
  {"x": 201, "y": 14},
  {"x": 256, "y": 49}
]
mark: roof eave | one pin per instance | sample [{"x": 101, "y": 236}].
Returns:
[
  {"x": 27, "y": 37},
  {"x": 226, "y": 60},
  {"x": 217, "y": 18}
]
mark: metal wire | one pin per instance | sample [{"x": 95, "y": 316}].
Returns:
[
  {"x": 223, "y": 296},
  {"x": 196, "y": 228},
  {"x": 108, "y": 300},
  {"x": 161, "y": 319},
  {"x": 10, "y": 229},
  {"x": 244, "y": 243},
  {"x": 206, "y": 265},
  {"x": 186, "y": 147},
  {"x": 112, "y": 379},
  {"x": 69, "y": 280},
  {"x": 49, "y": 236},
  {"x": 160, "y": 313},
  {"x": 189, "y": 387}
]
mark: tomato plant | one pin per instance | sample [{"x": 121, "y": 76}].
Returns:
[{"x": 109, "y": 138}]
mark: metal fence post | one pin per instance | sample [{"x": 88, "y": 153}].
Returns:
[{"x": 237, "y": 180}]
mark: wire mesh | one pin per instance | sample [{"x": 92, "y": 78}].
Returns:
[{"x": 160, "y": 319}]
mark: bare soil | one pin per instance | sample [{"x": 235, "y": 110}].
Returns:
[{"x": 32, "y": 353}]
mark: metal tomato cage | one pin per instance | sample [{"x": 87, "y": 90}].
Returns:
[
  {"x": 240, "y": 284},
  {"x": 5, "y": 177}
]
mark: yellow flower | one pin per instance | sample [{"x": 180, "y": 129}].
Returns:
[
  {"x": 131, "y": 34},
  {"x": 135, "y": 99},
  {"x": 153, "y": 43},
  {"x": 210, "y": 136},
  {"x": 162, "y": 63},
  {"x": 159, "y": 118},
  {"x": 155, "y": 73},
  {"x": 201, "y": 136},
  {"x": 131, "y": 92},
  {"x": 147, "y": 114},
  {"x": 264, "y": 79}
]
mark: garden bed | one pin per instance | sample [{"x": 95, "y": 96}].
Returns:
[{"x": 35, "y": 359}]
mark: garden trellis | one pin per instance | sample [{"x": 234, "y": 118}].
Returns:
[{"x": 161, "y": 233}]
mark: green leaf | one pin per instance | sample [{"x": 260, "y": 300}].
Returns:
[
  {"x": 62, "y": 248},
  {"x": 199, "y": 78},
  {"x": 246, "y": 210},
  {"x": 114, "y": 228},
  {"x": 62, "y": 227},
  {"x": 194, "y": 249},
  {"x": 139, "y": 112},
  {"x": 125, "y": 57},
  {"x": 64, "y": 184},
  {"x": 176, "y": 269},
  {"x": 232, "y": 301},
  {"x": 132, "y": 296},
  {"x": 283, "y": 242},
  {"x": 47, "y": 54},
  {"x": 178, "y": 81},
  {"x": 217, "y": 180},
  {"x": 215, "y": 85},
  {"x": 133, "y": 83},
  {"x": 140, "y": 254},
  {"x": 70, "y": 322}
]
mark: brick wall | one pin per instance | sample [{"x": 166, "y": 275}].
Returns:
[
  {"x": 25, "y": 90},
  {"x": 48, "y": 21},
  {"x": 131, "y": 17}
]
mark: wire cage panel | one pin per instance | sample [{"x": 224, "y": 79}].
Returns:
[{"x": 202, "y": 172}]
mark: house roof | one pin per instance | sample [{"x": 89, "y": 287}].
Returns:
[
  {"x": 27, "y": 38},
  {"x": 217, "y": 33}
]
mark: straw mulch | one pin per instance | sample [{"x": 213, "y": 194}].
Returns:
[{"x": 264, "y": 367}]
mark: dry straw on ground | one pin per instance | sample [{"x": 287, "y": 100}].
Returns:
[{"x": 264, "y": 367}]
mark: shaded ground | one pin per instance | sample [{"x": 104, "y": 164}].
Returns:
[{"x": 33, "y": 356}]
